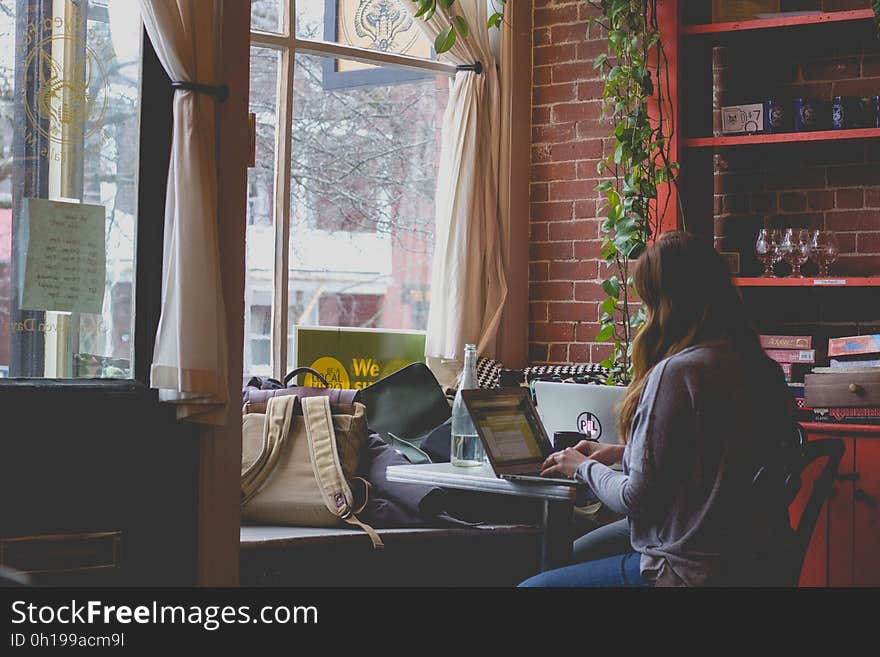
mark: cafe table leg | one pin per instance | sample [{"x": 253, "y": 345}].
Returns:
[{"x": 556, "y": 543}]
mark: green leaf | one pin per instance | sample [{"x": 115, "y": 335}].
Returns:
[
  {"x": 461, "y": 26},
  {"x": 447, "y": 3},
  {"x": 612, "y": 287},
  {"x": 608, "y": 305},
  {"x": 605, "y": 334},
  {"x": 445, "y": 40},
  {"x": 495, "y": 20}
]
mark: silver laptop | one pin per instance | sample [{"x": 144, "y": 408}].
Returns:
[
  {"x": 511, "y": 433},
  {"x": 589, "y": 409}
]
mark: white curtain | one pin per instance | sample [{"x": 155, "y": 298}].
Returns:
[
  {"x": 189, "y": 360},
  {"x": 468, "y": 287}
]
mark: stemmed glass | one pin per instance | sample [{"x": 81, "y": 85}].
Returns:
[
  {"x": 796, "y": 247},
  {"x": 767, "y": 250},
  {"x": 825, "y": 250}
]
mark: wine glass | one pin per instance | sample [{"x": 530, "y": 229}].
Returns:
[
  {"x": 766, "y": 250},
  {"x": 825, "y": 250},
  {"x": 796, "y": 248}
]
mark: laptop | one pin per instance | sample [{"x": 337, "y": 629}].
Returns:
[
  {"x": 512, "y": 434},
  {"x": 589, "y": 409}
]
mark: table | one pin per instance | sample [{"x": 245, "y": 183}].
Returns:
[{"x": 559, "y": 500}]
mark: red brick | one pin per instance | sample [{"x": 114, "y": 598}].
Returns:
[
  {"x": 590, "y": 90},
  {"x": 551, "y": 250},
  {"x": 593, "y": 129},
  {"x": 588, "y": 250},
  {"x": 538, "y": 271},
  {"x": 554, "y": 54},
  {"x": 867, "y": 243},
  {"x": 558, "y": 353},
  {"x": 575, "y": 32},
  {"x": 552, "y": 332},
  {"x": 839, "y": 68},
  {"x": 587, "y": 331},
  {"x": 555, "y": 171},
  {"x": 538, "y": 192},
  {"x": 793, "y": 202},
  {"x": 579, "y": 353},
  {"x": 585, "y": 209},
  {"x": 599, "y": 352},
  {"x": 541, "y": 37},
  {"x": 853, "y": 220},
  {"x": 540, "y": 115},
  {"x": 568, "y": 312},
  {"x": 571, "y": 190},
  {"x": 555, "y": 15},
  {"x": 850, "y": 198},
  {"x": 552, "y": 291},
  {"x": 588, "y": 170},
  {"x": 542, "y": 75},
  {"x": 572, "y": 230},
  {"x": 858, "y": 175},
  {"x": 576, "y": 150},
  {"x": 537, "y": 353},
  {"x": 872, "y": 198},
  {"x": 538, "y": 232},
  {"x": 588, "y": 292},
  {"x": 540, "y": 153},
  {"x": 589, "y": 50},
  {"x": 554, "y": 93},
  {"x": 574, "y": 71},
  {"x": 551, "y": 211},
  {"x": 555, "y": 133},
  {"x": 538, "y": 312},
  {"x": 579, "y": 111},
  {"x": 574, "y": 270},
  {"x": 820, "y": 199}
]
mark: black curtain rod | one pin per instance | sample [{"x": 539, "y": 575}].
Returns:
[{"x": 476, "y": 67}]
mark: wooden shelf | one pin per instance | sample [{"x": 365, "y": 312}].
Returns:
[
  {"x": 807, "y": 282},
  {"x": 782, "y": 138},
  {"x": 780, "y": 22}
]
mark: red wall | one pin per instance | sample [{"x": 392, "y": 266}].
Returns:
[{"x": 567, "y": 142}]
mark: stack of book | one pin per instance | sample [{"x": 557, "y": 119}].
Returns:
[{"x": 791, "y": 352}]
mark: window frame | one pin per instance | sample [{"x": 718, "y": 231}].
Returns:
[
  {"x": 154, "y": 156},
  {"x": 288, "y": 45}
]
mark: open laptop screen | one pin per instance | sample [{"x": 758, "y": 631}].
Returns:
[{"x": 509, "y": 426}]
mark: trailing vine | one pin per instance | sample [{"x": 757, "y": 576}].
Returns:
[
  {"x": 458, "y": 26},
  {"x": 635, "y": 74}
]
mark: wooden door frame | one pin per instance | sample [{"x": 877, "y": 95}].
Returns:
[{"x": 220, "y": 447}]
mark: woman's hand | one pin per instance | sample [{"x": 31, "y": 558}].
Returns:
[
  {"x": 562, "y": 464},
  {"x": 605, "y": 454}
]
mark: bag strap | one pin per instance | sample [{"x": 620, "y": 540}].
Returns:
[
  {"x": 335, "y": 490},
  {"x": 305, "y": 370},
  {"x": 279, "y": 414}
]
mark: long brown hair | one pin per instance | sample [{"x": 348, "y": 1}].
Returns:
[{"x": 689, "y": 299}]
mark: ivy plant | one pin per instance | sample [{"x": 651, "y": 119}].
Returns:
[
  {"x": 458, "y": 26},
  {"x": 634, "y": 70}
]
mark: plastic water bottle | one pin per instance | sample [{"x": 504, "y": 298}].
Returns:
[{"x": 467, "y": 450}]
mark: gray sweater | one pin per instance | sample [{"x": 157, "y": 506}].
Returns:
[{"x": 705, "y": 422}]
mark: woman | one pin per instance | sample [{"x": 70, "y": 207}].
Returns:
[{"x": 706, "y": 408}]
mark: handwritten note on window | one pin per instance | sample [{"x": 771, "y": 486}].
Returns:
[{"x": 65, "y": 258}]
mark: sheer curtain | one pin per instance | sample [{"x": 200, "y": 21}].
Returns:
[
  {"x": 468, "y": 286},
  {"x": 189, "y": 360}
]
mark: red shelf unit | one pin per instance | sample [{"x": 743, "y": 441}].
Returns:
[
  {"x": 807, "y": 282},
  {"x": 781, "y": 21},
  {"x": 782, "y": 138}
]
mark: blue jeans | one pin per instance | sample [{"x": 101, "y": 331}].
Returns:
[{"x": 620, "y": 570}]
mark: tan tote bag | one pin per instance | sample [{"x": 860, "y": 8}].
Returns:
[{"x": 299, "y": 470}]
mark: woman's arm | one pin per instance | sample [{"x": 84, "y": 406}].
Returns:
[{"x": 664, "y": 424}]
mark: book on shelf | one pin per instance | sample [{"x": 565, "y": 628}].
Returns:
[
  {"x": 854, "y": 345},
  {"x": 786, "y": 370},
  {"x": 869, "y": 361},
  {"x": 842, "y": 370},
  {"x": 786, "y": 341},
  {"x": 792, "y": 355}
]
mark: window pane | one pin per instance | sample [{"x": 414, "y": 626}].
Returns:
[
  {"x": 375, "y": 24},
  {"x": 67, "y": 269},
  {"x": 364, "y": 163},
  {"x": 261, "y": 210},
  {"x": 266, "y": 15}
]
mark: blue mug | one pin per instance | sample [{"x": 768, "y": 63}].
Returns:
[
  {"x": 774, "y": 116},
  {"x": 806, "y": 114}
]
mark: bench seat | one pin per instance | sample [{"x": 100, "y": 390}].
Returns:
[{"x": 489, "y": 555}]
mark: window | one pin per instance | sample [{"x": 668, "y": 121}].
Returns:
[
  {"x": 348, "y": 102},
  {"x": 69, "y": 133}
]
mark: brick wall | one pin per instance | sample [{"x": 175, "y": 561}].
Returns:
[
  {"x": 567, "y": 142},
  {"x": 836, "y": 185}
]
